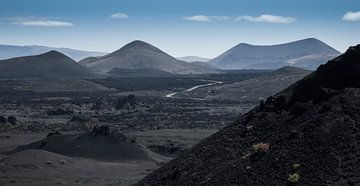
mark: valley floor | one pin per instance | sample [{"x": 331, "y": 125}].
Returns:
[{"x": 139, "y": 108}]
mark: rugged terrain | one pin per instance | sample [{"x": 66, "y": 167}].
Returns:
[
  {"x": 149, "y": 126},
  {"x": 306, "y": 134}
]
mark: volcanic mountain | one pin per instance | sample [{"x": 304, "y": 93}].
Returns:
[
  {"x": 11, "y": 51},
  {"x": 307, "y": 134},
  {"x": 141, "y": 55},
  {"x": 50, "y": 65},
  {"x": 307, "y": 53}
]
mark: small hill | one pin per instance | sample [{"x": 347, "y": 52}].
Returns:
[
  {"x": 101, "y": 146},
  {"x": 141, "y": 55},
  {"x": 50, "y": 65},
  {"x": 11, "y": 51},
  {"x": 305, "y": 135},
  {"x": 307, "y": 53}
]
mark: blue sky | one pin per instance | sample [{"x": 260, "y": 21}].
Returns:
[{"x": 184, "y": 27}]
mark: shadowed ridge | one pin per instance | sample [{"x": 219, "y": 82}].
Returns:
[
  {"x": 339, "y": 73},
  {"x": 311, "y": 140}
]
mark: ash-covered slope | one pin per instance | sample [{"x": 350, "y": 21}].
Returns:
[
  {"x": 308, "y": 135},
  {"x": 50, "y": 65},
  {"x": 307, "y": 53},
  {"x": 100, "y": 145},
  {"x": 141, "y": 55}
]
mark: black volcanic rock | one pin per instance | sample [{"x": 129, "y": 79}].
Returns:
[
  {"x": 307, "y": 134},
  {"x": 12, "y": 120},
  {"x": 141, "y": 55},
  {"x": 2, "y": 119},
  {"x": 50, "y": 65},
  {"x": 337, "y": 74},
  {"x": 307, "y": 53}
]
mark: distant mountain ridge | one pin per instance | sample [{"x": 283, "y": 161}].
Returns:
[
  {"x": 307, "y": 53},
  {"x": 191, "y": 59},
  {"x": 141, "y": 55},
  {"x": 50, "y": 65},
  {"x": 11, "y": 51}
]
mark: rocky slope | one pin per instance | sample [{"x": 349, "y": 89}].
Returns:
[
  {"x": 307, "y": 53},
  {"x": 141, "y": 55},
  {"x": 50, "y": 65},
  {"x": 307, "y": 134},
  {"x": 11, "y": 51},
  {"x": 256, "y": 89}
]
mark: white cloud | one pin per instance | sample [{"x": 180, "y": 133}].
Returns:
[
  {"x": 119, "y": 16},
  {"x": 41, "y": 22},
  {"x": 205, "y": 18},
  {"x": 351, "y": 16},
  {"x": 267, "y": 18}
]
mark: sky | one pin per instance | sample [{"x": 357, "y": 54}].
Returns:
[{"x": 203, "y": 28}]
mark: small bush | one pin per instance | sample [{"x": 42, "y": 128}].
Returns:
[
  {"x": 294, "y": 178},
  {"x": 264, "y": 147},
  {"x": 295, "y": 166}
]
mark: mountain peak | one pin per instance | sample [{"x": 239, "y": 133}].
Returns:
[
  {"x": 53, "y": 54},
  {"x": 244, "y": 45},
  {"x": 136, "y": 44},
  {"x": 309, "y": 40}
]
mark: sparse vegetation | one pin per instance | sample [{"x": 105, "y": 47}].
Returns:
[
  {"x": 264, "y": 147},
  {"x": 296, "y": 165},
  {"x": 294, "y": 178}
]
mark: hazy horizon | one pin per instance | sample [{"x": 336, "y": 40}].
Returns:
[{"x": 184, "y": 28}]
